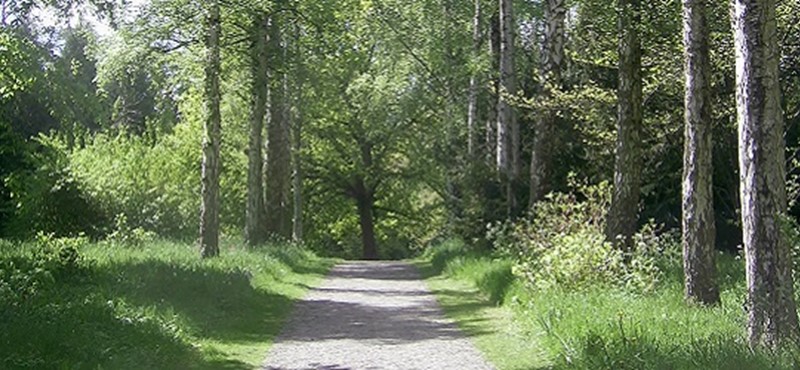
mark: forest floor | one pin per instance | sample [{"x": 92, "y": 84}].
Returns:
[
  {"x": 599, "y": 327},
  {"x": 372, "y": 315},
  {"x": 152, "y": 306}
]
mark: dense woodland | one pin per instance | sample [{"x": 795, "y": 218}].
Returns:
[{"x": 584, "y": 143}]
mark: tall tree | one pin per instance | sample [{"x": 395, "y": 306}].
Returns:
[
  {"x": 472, "y": 99},
  {"x": 297, "y": 143},
  {"x": 698, "y": 208},
  {"x": 771, "y": 309},
  {"x": 209, "y": 213},
  {"x": 623, "y": 215},
  {"x": 297, "y": 175},
  {"x": 508, "y": 140},
  {"x": 551, "y": 65},
  {"x": 494, "y": 81},
  {"x": 254, "y": 223},
  {"x": 279, "y": 162}
]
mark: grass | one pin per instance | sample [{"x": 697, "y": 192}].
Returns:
[
  {"x": 594, "y": 328},
  {"x": 158, "y": 306},
  {"x": 492, "y": 327}
]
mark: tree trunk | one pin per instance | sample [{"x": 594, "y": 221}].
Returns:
[
  {"x": 209, "y": 212},
  {"x": 507, "y": 127},
  {"x": 624, "y": 213},
  {"x": 698, "y": 208},
  {"x": 254, "y": 224},
  {"x": 491, "y": 121},
  {"x": 297, "y": 152},
  {"x": 366, "y": 218},
  {"x": 552, "y": 64},
  {"x": 472, "y": 100},
  {"x": 279, "y": 161},
  {"x": 508, "y": 139},
  {"x": 771, "y": 311},
  {"x": 3, "y": 13},
  {"x": 297, "y": 182}
]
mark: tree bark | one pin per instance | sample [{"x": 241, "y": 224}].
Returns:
[
  {"x": 491, "y": 136},
  {"x": 297, "y": 152},
  {"x": 508, "y": 138},
  {"x": 209, "y": 212},
  {"x": 365, "y": 202},
  {"x": 623, "y": 215},
  {"x": 254, "y": 224},
  {"x": 771, "y": 309},
  {"x": 552, "y": 63},
  {"x": 507, "y": 126},
  {"x": 297, "y": 182},
  {"x": 278, "y": 183},
  {"x": 698, "y": 208},
  {"x": 472, "y": 103}
]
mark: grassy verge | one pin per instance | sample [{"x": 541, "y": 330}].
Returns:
[
  {"x": 156, "y": 306},
  {"x": 597, "y": 327},
  {"x": 465, "y": 291}
]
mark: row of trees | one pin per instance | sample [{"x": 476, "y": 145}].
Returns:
[
  {"x": 772, "y": 314},
  {"x": 393, "y": 120}
]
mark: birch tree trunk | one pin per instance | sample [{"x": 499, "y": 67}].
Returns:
[
  {"x": 297, "y": 148},
  {"x": 624, "y": 212},
  {"x": 698, "y": 207},
  {"x": 254, "y": 223},
  {"x": 491, "y": 121},
  {"x": 508, "y": 141},
  {"x": 771, "y": 310},
  {"x": 297, "y": 179},
  {"x": 472, "y": 103},
  {"x": 552, "y": 63},
  {"x": 209, "y": 212},
  {"x": 504, "y": 113},
  {"x": 279, "y": 161}
]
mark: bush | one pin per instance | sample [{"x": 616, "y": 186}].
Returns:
[
  {"x": 156, "y": 186},
  {"x": 47, "y": 197},
  {"x": 49, "y": 260},
  {"x": 127, "y": 235},
  {"x": 562, "y": 244}
]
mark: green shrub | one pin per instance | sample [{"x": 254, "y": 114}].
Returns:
[
  {"x": 562, "y": 244},
  {"x": 40, "y": 265},
  {"x": 61, "y": 257},
  {"x": 127, "y": 235},
  {"x": 47, "y": 197}
]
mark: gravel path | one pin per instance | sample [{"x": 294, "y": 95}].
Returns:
[{"x": 372, "y": 315}]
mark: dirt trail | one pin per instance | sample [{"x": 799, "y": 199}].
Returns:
[{"x": 372, "y": 315}]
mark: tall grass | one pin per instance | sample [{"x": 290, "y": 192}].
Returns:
[
  {"x": 601, "y": 327},
  {"x": 157, "y": 306}
]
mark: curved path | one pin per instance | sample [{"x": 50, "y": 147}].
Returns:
[{"x": 372, "y": 315}]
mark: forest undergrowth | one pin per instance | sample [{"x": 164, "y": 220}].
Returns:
[
  {"x": 596, "y": 327},
  {"x": 70, "y": 303},
  {"x": 577, "y": 303}
]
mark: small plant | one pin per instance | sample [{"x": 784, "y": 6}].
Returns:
[
  {"x": 562, "y": 245},
  {"x": 50, "y": 260},
  {"x": 60, "y": 256},
  {"x": 127, "y": 235}
]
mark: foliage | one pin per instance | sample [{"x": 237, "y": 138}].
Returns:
[
  {"x": 47, "y": 197},
  {"x": 15, "y": 64},
  {"x": 155, "y": 186},
  {"x": 597, "y": 327},
  {"x": 125, "y": 234},
  {"x": 562, "y": 245},
  {"x": 51, "y": 261},
  {"x": 154, "y": 306}
]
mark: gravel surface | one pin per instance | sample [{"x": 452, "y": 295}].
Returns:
[{"x": 372, "y": 315}]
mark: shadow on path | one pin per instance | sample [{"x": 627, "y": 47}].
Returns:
[{"x": 372, "y": 315}]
